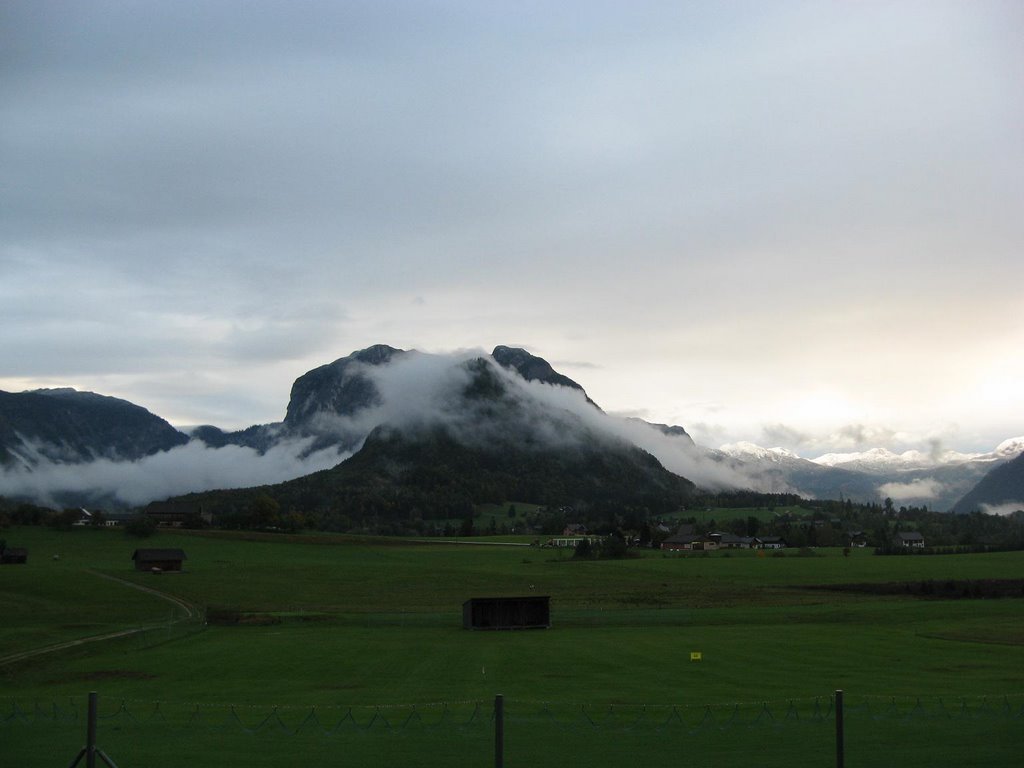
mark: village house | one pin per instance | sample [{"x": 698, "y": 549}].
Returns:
[
  {"x": 858, "y": 539},
  {"x": 116, "y": 519},
  {"x": 85, "y": 517},
  {"x": 732, "y": 541},
  {"x": 563, "y": 542},
  {"x": 687, "y": 540},
  {"x": 912, "y": 539},
  {"x": 690, "y": 542},
  {"x": 175, "y": 514}
]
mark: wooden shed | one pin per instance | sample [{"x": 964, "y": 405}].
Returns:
[
  {"x": 158, "y": 559},
  {"x": 533, "y": 612},
  {"x": 13, "y": 556}
]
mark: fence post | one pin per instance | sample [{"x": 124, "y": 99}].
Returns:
[
  {"x": 499, "y": 731},
  {"x": 90, "y": 750},
  {"x": 839, "y": 729},
  {"x": 90, "y": 733}
]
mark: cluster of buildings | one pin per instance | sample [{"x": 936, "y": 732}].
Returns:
[{"x": 688, "y": 540}]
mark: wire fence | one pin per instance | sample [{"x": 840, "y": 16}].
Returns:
[
  {"x": 297, "y": 719},
  {"x": 904, "y": 731}
]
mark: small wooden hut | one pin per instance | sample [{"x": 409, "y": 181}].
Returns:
[
  {"x": 13, "y": 556},
  {"x": 533, "y": 612},
  {"x": 159, "y": 560}
]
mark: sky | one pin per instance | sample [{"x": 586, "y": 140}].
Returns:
[{"x": 793, "y": 223}]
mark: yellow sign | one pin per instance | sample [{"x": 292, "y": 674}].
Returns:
[{"x": 695, "y": 656}]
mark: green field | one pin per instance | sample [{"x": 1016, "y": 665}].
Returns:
[{"x": 316, "y": 650}]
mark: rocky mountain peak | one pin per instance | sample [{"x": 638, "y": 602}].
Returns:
[
  {"x": 340, "y": 387},
  {"x": 533, "y": 368}
]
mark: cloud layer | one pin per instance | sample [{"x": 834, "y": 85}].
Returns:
[
  {"x": 415, "y": 390},
  {"x": 186, "y": 469},
  {"x": 737, "y": 217}
]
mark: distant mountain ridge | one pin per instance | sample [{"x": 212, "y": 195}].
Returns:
[
  {"x": 937, "y": 481},
  {"x": 882, "y": 459},
  {"x": 67, "y": 426},
  {"x": 382, "y": 395}
]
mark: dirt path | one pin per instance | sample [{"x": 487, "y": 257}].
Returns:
[{"x": 190, "y": 611}]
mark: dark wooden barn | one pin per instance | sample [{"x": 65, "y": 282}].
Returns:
[
  {"x": 158, "y": 559},
  {"x": 533, "y": 612},
  {"x": 13, "y": 556},
  {"x": 177, "y": 514}
]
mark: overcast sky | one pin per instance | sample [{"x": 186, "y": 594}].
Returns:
[{"x": 799, "y": 224}]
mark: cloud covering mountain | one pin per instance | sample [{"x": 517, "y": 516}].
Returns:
[{"x": 333, "y": 408}]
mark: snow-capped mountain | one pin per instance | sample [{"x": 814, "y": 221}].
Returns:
[
  {"x": 934, "y": 479},
  {"x": 882, "y": 459},
  {"x": 1010, "y": 449},
  {"x": 747, "y": 450}
]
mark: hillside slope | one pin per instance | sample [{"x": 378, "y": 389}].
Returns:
[
  {"x": 65, "y": 425},
  {"x": 1002, "y": 487}
]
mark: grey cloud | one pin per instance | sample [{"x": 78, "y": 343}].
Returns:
[
  {"x": 916, "y": 490},
  {"x": 1005, "y": 509},
  {"x": 629, "y": 176},
  {"x": 782, "y": 435}
]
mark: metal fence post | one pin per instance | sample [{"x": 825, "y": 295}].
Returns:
[
  {"x": 90, "y": 734},
  {"x": 839, "y": 729},
  {"x": 90, "y": 750},
  {"x": 499, "y": 731}
]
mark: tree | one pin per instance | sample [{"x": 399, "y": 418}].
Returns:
[
  {"x": 64, "y": 520},
  {"x": 584, "y": 550},
  {"x": 613, "y": 547},
  {"x": 141, "y": 526},
  {"x": 263, "y": 511}
]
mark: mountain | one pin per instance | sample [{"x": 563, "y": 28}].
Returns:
[
  {"x": 778, "y": 470},
  {"x": 336, "y": 405},
  {"x": 883, "y": 460},
  {"x": 321, "y": 405},
  {"x": 669, "y": 431},
  {"x": 508, "y": 417},
  {"x": 488, "y": 437},
  {"x": 68, "y": 426},
  {"x": 1002, "y": 487},
  {"x": 936, "y": 480}
]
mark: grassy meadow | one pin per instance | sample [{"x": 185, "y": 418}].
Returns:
[{"x": 306, "y": 648}]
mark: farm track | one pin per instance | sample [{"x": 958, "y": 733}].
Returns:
[{"x": 190, "y": 610}]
